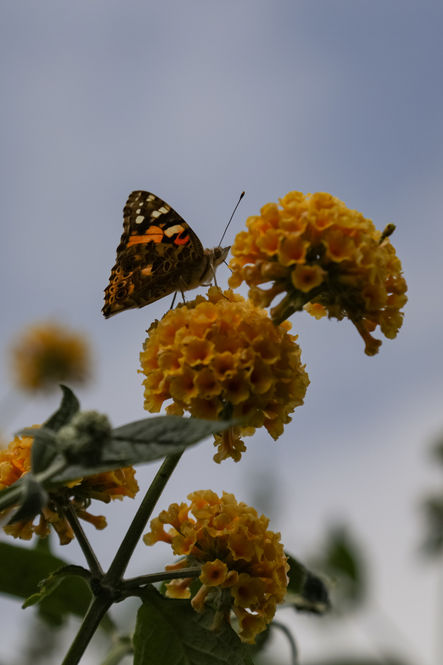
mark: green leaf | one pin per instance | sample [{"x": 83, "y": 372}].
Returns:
[
  {"x": 68, "y": 408},
  {"x": 168, "y": 631},
  {"x": 437, "y": 449},
  {"x": 167, "y": 431},
  {"x": 306, "y": 591},
  {"x": 32, "y": 499},
  {"x": 433, "y": 508},
  {"x": 44, "y": 448},
  {"x": 342, "y": 562},
  {"x": 50, "y": 584},
  {"x": 145, "y": 441},
  {"x": 22, "y": 569},
  {"x": 11, "y": 496}
]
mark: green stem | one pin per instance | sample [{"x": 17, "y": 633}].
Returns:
[
  {"x": 290, "y": 638},
  {"x": 93, "y": 563},
  {"x": 95, "y": 613},
  {"x": 294, "y": 301},
  {"x": 101, "y": 604},
  {"x": 133, "y": 535},
  {"x": 134, "y": 583}
]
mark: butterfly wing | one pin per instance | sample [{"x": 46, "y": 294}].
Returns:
[{"x": 158, "y": 254}]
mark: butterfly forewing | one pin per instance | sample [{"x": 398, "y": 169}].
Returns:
[{"x": 157, "y": 255}]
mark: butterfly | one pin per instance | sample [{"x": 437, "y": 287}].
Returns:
[{"x": 158, "y": 254}]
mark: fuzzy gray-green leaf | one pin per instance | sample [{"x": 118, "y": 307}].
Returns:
[
  {"x": 145, "y": 441},
  {"x": 68, "y": 408}
]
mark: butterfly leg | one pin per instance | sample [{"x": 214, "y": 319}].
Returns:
[
  {"x": 173, "y": 300},
  {"x": 214, "y": 278},
  {"x": 175, "y": 296},
  {"x": 182, "y": 288}
]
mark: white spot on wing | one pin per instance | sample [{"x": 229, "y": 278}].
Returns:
[
  {"x": 164, "y": 209},
  {"x": 177, "y": 228},
  {"x": 139, "y": 219},
  {"x": 155, "y": 214}
]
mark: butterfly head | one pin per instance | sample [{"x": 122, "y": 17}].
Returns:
[
  {"x": 213, "y": 258},
  {"x": 219, "y": 254}
]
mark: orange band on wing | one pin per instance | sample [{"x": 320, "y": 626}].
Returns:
[
  {"x": 154, "y": 234},
  {"x": 181, "y": 241}
]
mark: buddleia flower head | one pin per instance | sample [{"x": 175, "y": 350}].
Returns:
[
  {"x": 221, "y": 357},
  {"x": 15, "y": 462},
  {"x": 318, "y": 254},
  {"x": 47, "y": 354},
  {"x": 243, "y": 567}
]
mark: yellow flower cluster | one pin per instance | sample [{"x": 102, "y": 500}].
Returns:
[
  {"x": 243, "y": 565},
  {"x": 221, "y": 357},
  {"x": 48, "y": 354},
  {"x": 15, "y": 461},
  {"x": 324, "y": 256}
]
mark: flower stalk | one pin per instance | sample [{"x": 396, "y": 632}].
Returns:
[
  {"x": 111, "y": 581},
  {"x": 96, "y": 611},
  {"x": 134, "y": 533},
  {"x": 93, "y": 563},
  {"x": 134, "y": 583}
]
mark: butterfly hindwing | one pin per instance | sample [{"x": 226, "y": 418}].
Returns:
[{"x": 158, "y": 252}]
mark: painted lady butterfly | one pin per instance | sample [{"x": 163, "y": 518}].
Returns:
[{"x": 158, "y": 254}]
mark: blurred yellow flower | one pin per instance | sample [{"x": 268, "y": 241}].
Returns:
[
  {"x": 15, "y": 461},
  {"x": 222, "y": 357},
  {"x": 47, "y": 354},
  {"x": 325, "y": 257},
  {"x": 243, "y": 565}
]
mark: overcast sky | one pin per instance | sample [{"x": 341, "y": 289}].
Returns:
[{"x": 197, "y": 101}]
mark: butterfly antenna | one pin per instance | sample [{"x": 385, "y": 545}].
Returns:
[{"x": 230, "y": 219}]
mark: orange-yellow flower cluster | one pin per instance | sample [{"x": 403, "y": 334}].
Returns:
[
  {"x": 243, "y": 565},
  {"x": 15, "y": 461},
  {"x": 48, "y": 354},
  {"x": 222, "y": 357},
  {"x": 324, "y": 256}
]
